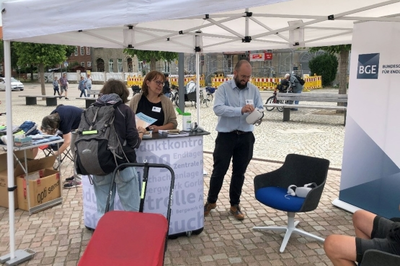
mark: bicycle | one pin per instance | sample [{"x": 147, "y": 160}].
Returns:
[{"x": 274, "y": 99}]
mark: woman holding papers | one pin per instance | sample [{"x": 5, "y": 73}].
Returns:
[{"x": 151, "y": 102}]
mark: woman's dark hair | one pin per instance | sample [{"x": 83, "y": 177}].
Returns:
[
  {"x": 116, "y": 86},
  {"x": 149, "y": 77},
  {"x": 50, "y": 123}
]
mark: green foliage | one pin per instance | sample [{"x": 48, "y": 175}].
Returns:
[
  {"x": 324, "y": 65},
  {"x": 335, "y": 49},
  {"x": 149, "y": 56},
  {"x": 40, "y": 54}
]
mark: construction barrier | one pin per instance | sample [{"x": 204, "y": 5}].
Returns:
[
  {"x": 312, "y": 82},
  {"x": 134, "y": 81},
  {"x": 173, "y": 80}
]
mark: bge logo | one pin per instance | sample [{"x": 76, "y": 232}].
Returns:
[{"x": 368, "y": 66}]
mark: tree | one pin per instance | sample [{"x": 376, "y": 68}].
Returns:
[
  {"x": 41, "y": 55},
  {"x": 343, "y": 52},
  {"x": 324, "y": 65},
  {"x": 152, "y": 56},
  {"x": 14, "y": 57}
]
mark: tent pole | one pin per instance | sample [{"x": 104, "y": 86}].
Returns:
[
  {"x": 19, "y": 256},
  {"x": 198, "y": 87}
]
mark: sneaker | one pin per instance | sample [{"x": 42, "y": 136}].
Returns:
[
  {"x": 66, "y": 98},
  {"x": 208, "y": 207},
  {"x": 69, "y": 179},
  {"x": 235, "y": 211},
  {"x": 73, "y": 183}
]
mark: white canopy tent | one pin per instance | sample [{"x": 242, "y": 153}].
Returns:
[
  {"x": 170, "y": 25},
  {"x": 185, "y": 26}
]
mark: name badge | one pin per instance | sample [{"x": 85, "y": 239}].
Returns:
[
  {"x": 249, "y": 101},
  {"x": 156, "y": 109}
]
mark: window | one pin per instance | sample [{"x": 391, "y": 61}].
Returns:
[
  {"x": 110, "y": 65},
  {"x": 130, "y": 67},
  {"x": 82, "y": 50},
  {"x": 119, "y": 65},
  {"x": 83, "y": 64},
  {"x": 89, "y": 64},
  {"x": 76, "y": 51},
  {"x": 87, "y": 50}
]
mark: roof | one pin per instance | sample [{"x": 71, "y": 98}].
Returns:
[{"x": 180, "y": 26}]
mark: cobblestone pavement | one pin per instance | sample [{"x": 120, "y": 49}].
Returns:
[{"x": 59, "y": 237}]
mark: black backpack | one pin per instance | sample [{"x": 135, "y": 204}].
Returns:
[
  {"x": 301, "y": 81},
  {"x": 97, "y": 146}
]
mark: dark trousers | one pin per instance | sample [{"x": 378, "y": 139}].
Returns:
[{"x": 239, "y": 148}]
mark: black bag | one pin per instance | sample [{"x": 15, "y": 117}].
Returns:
[
  {"x": 97, "y": 145},
  {"x": 301, "y": 81}
]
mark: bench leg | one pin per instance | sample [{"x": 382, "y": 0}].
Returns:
[
  {"x": 51, "y": 101},
  {"x": 30, "y": 100},
  {"x": 286, "y": 114}
]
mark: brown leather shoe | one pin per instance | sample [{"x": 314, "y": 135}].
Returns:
[
  {"x": 208, "y": 207},
  {"x": 235, "y": 211}
]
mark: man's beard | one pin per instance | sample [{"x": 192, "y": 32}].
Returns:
[{"x": 239, "y": 85}]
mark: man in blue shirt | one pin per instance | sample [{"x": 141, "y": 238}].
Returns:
[{"x": 234, "y": 101}]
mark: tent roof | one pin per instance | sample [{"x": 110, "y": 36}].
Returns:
[{"x": 171, "y": 25}]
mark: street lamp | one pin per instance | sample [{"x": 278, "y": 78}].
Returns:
[{"x": 19, "y": 72}]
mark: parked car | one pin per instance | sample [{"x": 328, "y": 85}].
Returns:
[{"x": 16, "y": 85}]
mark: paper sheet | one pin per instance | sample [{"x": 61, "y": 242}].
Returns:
[{"x": 144, "y": 120}]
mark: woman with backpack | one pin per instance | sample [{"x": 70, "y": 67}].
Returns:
[{"x": 127, "y": 180}]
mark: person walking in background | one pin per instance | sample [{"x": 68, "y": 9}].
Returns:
[
  {"x": 56, "y": 87},
  {"x": 82, "y": 87},
  {"x": 127, "y": 180},
  {"x": 88, "y": 84},
  {"x": 372, "y": 232},
  {"x": 234, "y": 101},
  {"x": 63, "y": 81},
  {"x": 166, "y": 88},
  {"x": 295, "y": 86},
  {"x": 66, "y": 119}
]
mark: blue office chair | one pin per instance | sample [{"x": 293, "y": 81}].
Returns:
[{"x": 271, "y": 189}]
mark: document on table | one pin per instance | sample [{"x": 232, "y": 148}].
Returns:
[{"x": 144, "y": 120}]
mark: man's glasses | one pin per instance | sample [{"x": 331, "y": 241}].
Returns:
[{"x": 160, "y": 83}]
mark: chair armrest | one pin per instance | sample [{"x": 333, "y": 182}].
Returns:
[{"x": 373, "y": 257}]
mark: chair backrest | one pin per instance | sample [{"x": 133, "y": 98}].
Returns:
[
  {"x": 373, "y": 257},
  {"x": 298, "y": 170}
]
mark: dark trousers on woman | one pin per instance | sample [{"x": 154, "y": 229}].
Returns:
[{"x": 237, "y": 146}]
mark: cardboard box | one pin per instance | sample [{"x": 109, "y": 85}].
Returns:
[
  {"x": 40, "y": 185},
  {"x": 47, "y": 163},
  {"x": 4, "y": 178}
]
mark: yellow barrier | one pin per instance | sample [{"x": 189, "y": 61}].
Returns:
[
  {"x": 313, "y": 82},
  {"x": 138, "y": 81}
]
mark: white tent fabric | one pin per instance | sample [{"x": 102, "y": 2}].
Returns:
[{"x": 170, "y": 25}]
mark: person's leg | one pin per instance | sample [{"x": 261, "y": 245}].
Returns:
[
  {"x": 341, "y": 250},
  {"x": 363, "y": 222},
  {"x": 128, "y": 188},
  {"x": 101, "y": 186},
  {"x": 242, "y": 154},
  {"x": 66, "y": 92},
  {"x": 224, "y": 145}
]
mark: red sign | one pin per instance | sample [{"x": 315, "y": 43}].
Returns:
[{"x": 261, "y": 57}]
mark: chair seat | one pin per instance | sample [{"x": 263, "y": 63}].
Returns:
[{"x": 277, "y": 198}]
